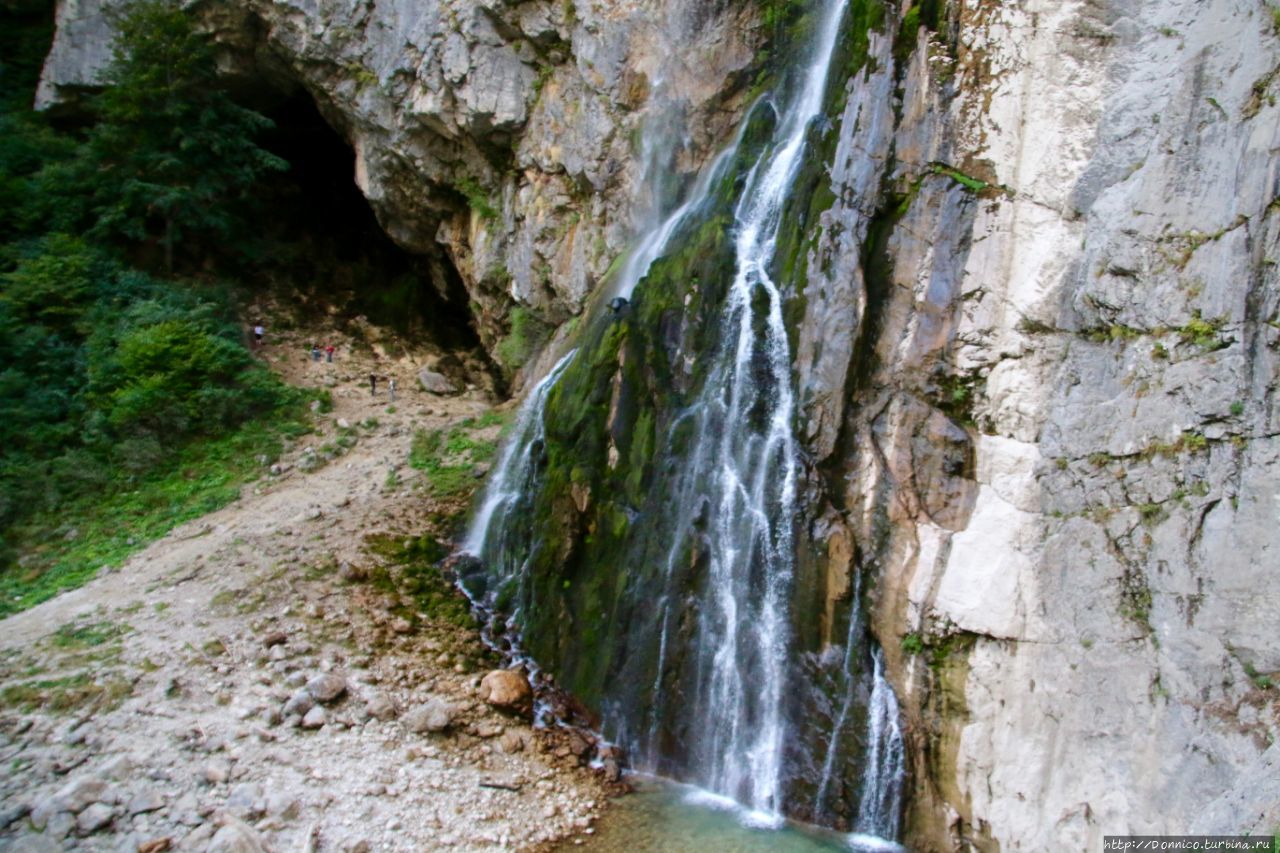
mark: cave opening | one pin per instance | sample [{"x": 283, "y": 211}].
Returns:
[{"x": 315, "y": 243}]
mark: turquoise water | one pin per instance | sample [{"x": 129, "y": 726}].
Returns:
[{"x": 663, "y": 816}]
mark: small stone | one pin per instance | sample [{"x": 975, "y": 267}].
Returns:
[
  {"x": 216, "y": 773},
  {"x": 507, "y": 689},
  {"x": 93, "y": 818},
  {"x": 400, "y": 625},
  {"x": 612, "y": 770},
  {"x": 79, "y": 794},
  {"x": 60, "y": 825},
  {"x": 245, "y": 800},
  {"x": 579, "y": 745},
  {"x": 146, "y": 801},
  {"x": 119, "y": 768},
  {"x": 275, "y": 638},
  {"x": 511, "y": 742},
  {"x": 489, "y": 730},
  {"x": 12, "y": 814},
  {"x": 326, "y": 688},
  {"x": 382, "y": 707},
  {"x": 315, "y": 718},
  {"x": 283, "y": 805},
  {"x": 156, "y": 845},
  {"x": 433, "y": 716},
  {"x": 235, "y": 836},
  {"x": 299, "y": 704}
]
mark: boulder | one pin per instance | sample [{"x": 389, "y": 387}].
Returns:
[
  {"x": 435, "y": 383},
  {"x": 507, "y": 690}
]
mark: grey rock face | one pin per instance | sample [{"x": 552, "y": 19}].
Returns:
[{"x": 1062, "y": 425}]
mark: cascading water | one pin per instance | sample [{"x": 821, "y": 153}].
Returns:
[
  {"x": 681, "y": 622},
  {"x": 743, "y": 470},
  {"x": 880, "y": 808},
  {"x": 514, "y": 476}
]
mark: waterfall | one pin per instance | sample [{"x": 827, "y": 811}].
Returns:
[
  {"x": 741, "y": 474},
  {"x": 851, "y": 646},
  {"x": 513, "y": 478},
  {"x": 704, "y": 559},
  {"x": 880, "y": 808}
]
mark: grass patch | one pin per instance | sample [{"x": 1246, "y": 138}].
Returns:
[
  {"x": 203, "y": 477},
  {"x": 451, "y": 457},
  {"x": 415, "y": 572},
  {"x": 69, "y": 693},
  {"x": 72, "y": 636}
]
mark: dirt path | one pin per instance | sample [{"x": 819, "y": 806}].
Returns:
[{"x": 188, "y": 699}]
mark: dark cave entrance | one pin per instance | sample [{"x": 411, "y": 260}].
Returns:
[{"x": 315, "y": 242}]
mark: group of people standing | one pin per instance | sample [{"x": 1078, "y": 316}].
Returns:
[
  {"x": 327, "y": 350},
  {"x": 390, "y": 383}
]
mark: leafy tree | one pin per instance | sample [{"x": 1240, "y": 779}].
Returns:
[{"x": 172, "y": 155}]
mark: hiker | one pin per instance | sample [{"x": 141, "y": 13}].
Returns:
[
  {"x": 328, "y": 351},
  {"x": 315, "y": 352},
  {"x": 373, "y": 384},
  {"x": 391, "y": 388},
  {"x": 618, "y": 305},
  {"x": 258, "y": 332}
]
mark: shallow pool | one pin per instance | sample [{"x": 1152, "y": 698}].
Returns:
[{"x": 664, "y": 816}]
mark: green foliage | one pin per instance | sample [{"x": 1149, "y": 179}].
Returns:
[
  {"x": 970, "y": 183},
  {"x": 907, "y": 33},
  {"x": 478, "y": 199},
  {"x": 528, "y": 334},
  {"x": 193, "y": 480},
  {"x": 415, "y": 571},
  {"x": 912, "y": 644},
  {"x": 127, "y": 403},
  {"x": 1202, "y": 333},
  {"x": 171, "y": 154}
]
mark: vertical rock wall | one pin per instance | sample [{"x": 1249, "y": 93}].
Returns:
[{"x": 1058, "y": 453}]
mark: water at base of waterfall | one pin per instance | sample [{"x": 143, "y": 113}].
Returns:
[{"x": 673, "y": 818}]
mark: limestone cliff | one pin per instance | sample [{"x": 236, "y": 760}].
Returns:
[
  {"x": 1060, "y": 452},
  {"x": 1035, "y": 322}
]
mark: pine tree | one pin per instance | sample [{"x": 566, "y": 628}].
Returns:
[{"x": 173, "y": 154}]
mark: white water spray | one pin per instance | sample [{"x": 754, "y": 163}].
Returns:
[
  {"x": 880, "y": 808},
  {"x": 513, "y": 477},
  {"x": 743, "y": 469}
]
